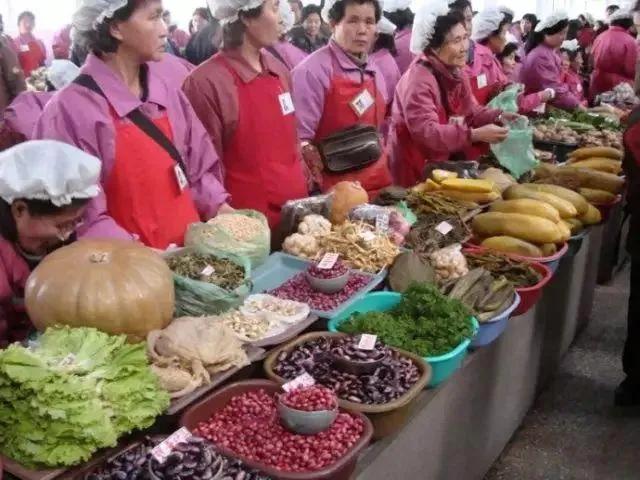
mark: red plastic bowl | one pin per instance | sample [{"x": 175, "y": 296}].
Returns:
[
  {"x": 552, "y": 261},
  {"x": 605, "y": 208}
]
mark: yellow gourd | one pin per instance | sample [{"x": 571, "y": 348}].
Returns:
[
  {"x": 512, "y": 245},
  {"x": 525, "y": 227},
  {"x": 564, "y": 207},
  {"x": 346, "y": 195},
  {"x": 527, "y": 206},
  {"x": 468, "y": 185}
]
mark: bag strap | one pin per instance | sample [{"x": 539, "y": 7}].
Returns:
[
  {"x": 139, "y": 119},
  {"x": 443, "y": 92}
]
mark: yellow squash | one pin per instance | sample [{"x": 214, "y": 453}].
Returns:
[
  {"x": 577, "y": 200},
  {"x": 474, "y": 197},
  {"x": 468, "y": 185},
  {"x": 592, "y": 217},
  {"x": 527, "y": 206},
  {"x": 512, "y": 245},
  {"x": 524, "y": 227},
  {"x": 590, "y": 152},
  {"x": 597, "y": 197},
  {"x": 564, "y": 207},
  {"x": 600, "y": 164},
  {"x": 565, "y": 231},
  {"x": 442, "y": 175},
  {"x": 574, "y": 225},
  {"x": 548, "y": 249}
]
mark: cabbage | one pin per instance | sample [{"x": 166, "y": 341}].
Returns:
[{"x": 74, "y": 391}]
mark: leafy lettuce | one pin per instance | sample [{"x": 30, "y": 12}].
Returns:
[{"x": 73, "y": 392}]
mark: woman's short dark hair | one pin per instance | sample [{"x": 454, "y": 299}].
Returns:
[
  {"x": 387, "y": 41},
  {"x": 310, "y": 10},
  {"x": 26, "y": 14},
  {"x": 36, "y": 208},
  {"x": 233, "y": 33},
  {"x": 538, "y": 37},
  {"x": 401, "y": 18},
  {"x": 574, "y": 29},
  {"x": 573, "y": 54},
  {"x": 339, "y": 9},
  {"x": 625, "y": 23},
  {"x": 203, "y": 12},
  {"x": 460, "y": 5},
  {"x": 444, "y": 24},
  {"x": 509, "y": 49}
]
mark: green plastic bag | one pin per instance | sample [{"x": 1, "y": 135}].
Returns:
[
  {"x": 212, "y": 238},
  {"x": 515, "y": 153},
  {"x": 197, "y": 299}
]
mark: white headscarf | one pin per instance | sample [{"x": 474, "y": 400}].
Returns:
[
  {"x": 485, "y": 23},
  {"x": 226, "y": 11},
  {"x": 424, "y": 24},
  {"x": 391, "y": 6},
  {"x": 386, "y": 26},
  {"x": 287, "y": 17},
  {"x": 92, "y": 13},
  {"x": 61, "y": 73},
  {"x": 570, "y": 45},
  {"x": 552, "y": 20},
  {"x": 621, "y": 14}
]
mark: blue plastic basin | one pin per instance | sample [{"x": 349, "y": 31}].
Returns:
[
  {"x": 491, "y": 330},
  {"x": 442, "y": 367},
  {"x": 575, "y": 243}
]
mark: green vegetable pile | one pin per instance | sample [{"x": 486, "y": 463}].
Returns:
[
  {"x": 73, "y": 392},
  {"x": 425, "y": 322}
]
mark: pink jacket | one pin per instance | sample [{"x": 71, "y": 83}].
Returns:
[
  {"x": 61, "y": 44},
  {"x": 387, "y": 65},
  {"x": 287, "y": 53},
  {"x": 23, "y": 113},
  {"x": 615, "y": 54},
  {"x": 404, "y": 56},
  {"x": 14, "y": 271},
  {"x": 574, "y": 82}
]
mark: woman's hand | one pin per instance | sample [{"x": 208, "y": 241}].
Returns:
[
  {"x": 225, "y": 208},
  {"x": 509, "y": 117},
  {"x": 489, "y": 134},
  {"x": 311, "y": 157}
]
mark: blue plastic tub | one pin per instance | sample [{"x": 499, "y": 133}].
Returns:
[
  {"x": 442, "y": 367},
  {"x": 491, "y": 330},
  {"x": 575, "y": 243}
]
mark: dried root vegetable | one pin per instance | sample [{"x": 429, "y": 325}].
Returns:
[
  {"x": 247, "y": 327},
  {"x": 207, "y": 268},
  {"x": 425, "y": 203},
  {"x": 521, "y": 274}
]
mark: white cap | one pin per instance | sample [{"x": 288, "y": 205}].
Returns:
[
  {"x": 424, "y": 24},
  {"x": 92, "y": 13},
  {"x": 621, "y": 14},
  {"x": 226, "y": 11},
  {"x": 590, "y": 18},
  {"x": 391, "y": 6},
  {"x": 287, "y": 18},
  {"x": 571, "y": 45},
  {"x": 48, "y": 170},
  {"x": 485, "y": 23},
  {"x": 552, "y": 20},
  {"x": 61, "y": 73},
  {"x": 386, "y": 26},
  {"x": 507, "y": 11},
  {"x": 511, "y": 38}
]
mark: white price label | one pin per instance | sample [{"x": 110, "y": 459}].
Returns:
[
  {"x": 164, "y": 449},
  {"x": 304, "y": 380},
  {"x": 382, "y": 222},
  {"x": 367, "y": 341},
  {"x": 444, "y": 228},
  {"x": 368, "y": 236},
  {"x": 208, "y": 271},
  {"x": 328, "y": 261},
  {"x": 181, "y": 178}
]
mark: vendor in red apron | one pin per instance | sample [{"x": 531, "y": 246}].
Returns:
[
  {"x": 160, "y": 172},
  {"x": 336, "y": 89},
  {"x": 435, "y": 116},
  {"x": 45, "y": 187},
  {"x": 243, "y": 97},
  {"x": 31, "y": 51}
]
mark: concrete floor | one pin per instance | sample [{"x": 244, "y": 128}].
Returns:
[{"x": 573, "y": 432}]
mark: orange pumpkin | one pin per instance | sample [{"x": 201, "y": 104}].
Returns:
[
  {"x": 346, "y": 195},
  {"x": 116, "y": 286}
]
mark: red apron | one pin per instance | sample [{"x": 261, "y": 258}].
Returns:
[
  {"x": 263, "y": 167},
  {"x": 32, "y": 58},
  {"x": 338, "y": 115},
  {"x": 142, "y": 191},
  {"x": 482, "y": 94}
]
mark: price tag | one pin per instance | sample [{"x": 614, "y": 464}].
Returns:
[
  {"x": 181, "y": 178},
  {"x": 456, "y": 121},
  {"x": 482, "y": 81},
  {"x": 328, "y": 261},
  {"x": 208, "y": 271},
  {"x": 286, "y": 103},
  {"x": 382, "y": 222},
  {"x": 24, "y": 48},
  {"x": 164, "y": 449},
  {"x": 363, "y": 102},
  {"x": 368, "y": 236},
  {"x": 304, "y": 380},
  {"x": 444, "y": 228},
  {"x": 367, "y": 341}
]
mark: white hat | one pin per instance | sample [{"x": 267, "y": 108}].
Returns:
[
  {"x": 590, "y": 18},
  {"x": 386, "y": 26},
  {"x": 61, "y": 73},
  {"x": 571, "y": 45},
  {"x": 391, "y": 6},
  {"x": 507, "y": 11},
  {"x": 287, "y": 17},
  {"x": 621, "y": 14},
  {"x": 226, "y": 11},
  {"x": 424, "y": 24},
  {"x": 485, "y": 23},
  {"x": 48, "y": 170},
  {"x": 552, "y": 20},
  {"x": 92, "y": 13},
  {"x": 511, "y": 38}
]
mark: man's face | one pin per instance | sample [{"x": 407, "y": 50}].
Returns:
[{"x": 1, "y": 24}]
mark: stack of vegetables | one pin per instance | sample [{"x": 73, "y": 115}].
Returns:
[
  {"x": 599, "y": 159},
  {"x": 447, "y": 184},
  {"x": 71, "y": 393}
]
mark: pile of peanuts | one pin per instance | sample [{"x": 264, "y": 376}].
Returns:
[{"x": 240, "y": 227}]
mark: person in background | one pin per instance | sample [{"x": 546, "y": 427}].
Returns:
[
  {"x": 599, "y": 27},
  {"x": 615, "y": 55},
  {"x": 288, "y": 54},
  {"x": 338, "y": 88},
  {"x": 400, "y": 14},
  {"x": 200, "y": 19},
  {"x": 542, "y": 67},
  {"x": 156, "y": 155},
  {"x": 572, "y": 63},
  {"x": 243, "y": 97},
  {"x": 31, "y": 52},
  {"x": 383, "y": 55},
  {"x": 45, "y": 187},
  {"x": 486, "y": 76},
  {"x": 180, "y": 38},
  {"x": 308, "y": 36},
  {"x": 61, "y": 44},
  {"x": 573, "y": 30},
  {"x": 204, "y": 44},
  {"x": 464, "y": 8},
  {"x": 296, "y": 8},
  {"x": 510, "y": 62},
  {"x": 610, "y": 10},
  {"x": 435, "y": 116},
  {"x": 587, "y": 34},
  {"x": 636, "y": 21},
  {"x": 11, "y": 75}
]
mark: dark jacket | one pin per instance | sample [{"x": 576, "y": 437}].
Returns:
[
  {"x": 631, "y": 164},
  {"x": 11, "y": 75},
  {"x": 201, "y": 45},
  {"x": 299, "y": 38}
]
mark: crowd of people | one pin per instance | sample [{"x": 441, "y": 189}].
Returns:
[{"x": 237, "y": 111}]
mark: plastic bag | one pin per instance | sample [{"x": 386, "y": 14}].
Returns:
[
  {"x": 295, "y": 210},
  {"x": 385, "y": 219},
  {"x": 197, "y": 299},
  {"x": 507, "y": 100},
  {"x": 212, "y": 237},
  {"x": 516, "y": 153}
]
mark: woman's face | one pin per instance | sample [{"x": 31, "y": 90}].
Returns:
[
  {"x": 456, "y": 46},
  {"x": 312, "y": 24},
  {"x": 144, "y": 33},
  {"x": 555, "y": 40},
  {"x": 295, "y": 8},
  {"x": 198, "y": 22},
  {"x": 26, "y": 25},
  {"x": 356, "y": 32},
  {"x": 39, "y": 235},
  {"x": 468, "y": 19},
  {"x": 577, "y": 63},
  {"x": 264, "y": 31},
  {"x": 525, "y": 25},
  {"x": 566, "y": 60},
  {"x": 498, "y": 42},
  {"x": 509, "y": 64}
]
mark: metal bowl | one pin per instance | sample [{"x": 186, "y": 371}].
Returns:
[
  {"x": 328, "y": 285},
  {"x": 306, "y": 423}
]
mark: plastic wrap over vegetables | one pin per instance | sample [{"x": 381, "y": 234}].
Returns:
[
  {"x": 294, "y": 211},
  {"x": 384, "y": 219}
]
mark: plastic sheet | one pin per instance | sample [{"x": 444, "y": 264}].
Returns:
[{"x": 295, "y": 210}]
